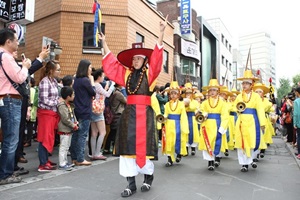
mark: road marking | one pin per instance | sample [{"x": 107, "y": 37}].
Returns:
[
  {"x": 204, "y": 196},
  {"x": 65, "y": 188},
  {"x": 259, "y": 186}
]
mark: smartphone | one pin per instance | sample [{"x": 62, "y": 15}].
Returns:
[{"x": 23, "y": 56}]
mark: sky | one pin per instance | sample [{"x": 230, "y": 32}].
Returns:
[{"x": 278, "y": 18}]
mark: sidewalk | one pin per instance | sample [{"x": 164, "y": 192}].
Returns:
[
  {"x": 292, "y": 150},
  {"x": 33, "y": 163}
]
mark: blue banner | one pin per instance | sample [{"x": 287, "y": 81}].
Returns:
[{"x": 185, "y": 15}]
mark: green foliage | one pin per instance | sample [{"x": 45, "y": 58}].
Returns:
[
  {"x": 284, "y": 88},
  {"x": 296, "y": 80}
]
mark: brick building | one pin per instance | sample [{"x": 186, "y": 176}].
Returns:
[{"x": 69, "y": 23}]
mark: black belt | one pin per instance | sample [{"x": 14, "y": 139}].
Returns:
[{"x": 14, "y": 96}]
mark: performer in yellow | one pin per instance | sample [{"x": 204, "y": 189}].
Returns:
[
  {"x": 212, "y": 129},
  {"x": 232, "y": 119},
  {"x": 198, "y": 96},
  {"x": 262, "y": 90},
  {"x": 191, "y": 109},
  {"x": 176, "y": 125},
  {"x": 225, "y": 94},
  {"x": 250, "y": 122}
]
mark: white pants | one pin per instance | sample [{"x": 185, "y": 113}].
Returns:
[
  {"x": 65, "y": 142},
  {"x": 207, "y": 156},
  {"x": 243, "y": 159},
  {"x": 194, "y": 144},
  {"x": 128, "y": 167}
]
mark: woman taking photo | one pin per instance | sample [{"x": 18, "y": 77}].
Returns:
[{"x": 98, "y": 130}]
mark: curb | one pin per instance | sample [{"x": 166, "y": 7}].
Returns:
[{"x": 292, "y": 150}]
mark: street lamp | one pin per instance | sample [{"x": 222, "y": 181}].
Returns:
[{"x": 55, "y": 49}]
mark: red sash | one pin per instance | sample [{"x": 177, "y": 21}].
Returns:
[
  {"x": 206, "y": 140},
  {"x": 141, "y": 102}
]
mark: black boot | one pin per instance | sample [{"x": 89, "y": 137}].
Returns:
[
  {"x": 170, "y": 162},
  {"x": 193, "y": 151},
  {"x": 148, "y": 179},
  {"x": 254, "y": 164},
  {"x": 178, "y": 158},
  {"x": 187, "y": 152},
  {"x": 262, "y": 153},
  {"x": 131, "y": 188},
  {"x": 244, "y": 168},
  {"x": 211, "y": 166},
  {"x": 217, "y": 161},
  {"x": 226, "y": 153}
]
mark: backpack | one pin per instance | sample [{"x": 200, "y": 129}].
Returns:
[
  {"x": 36, "y": 97},
  {"x": 109, "y": 114}
]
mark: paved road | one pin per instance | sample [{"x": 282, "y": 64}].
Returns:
[{"x": 277, "y": 177}]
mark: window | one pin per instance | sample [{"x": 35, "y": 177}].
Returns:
[
  {"x": 139, "y": 37},
  {"x": 223, "y": 60},
  {"x": 88, "y": 38},
  {"x": 166, "y": 62},
  {"x": 222, "y": 39},
  {"x": 188, "y": 67}
]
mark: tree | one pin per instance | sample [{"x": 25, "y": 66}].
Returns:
[
  {"x": 296, "y": 80},
  {"x": 284, "y": 88}
]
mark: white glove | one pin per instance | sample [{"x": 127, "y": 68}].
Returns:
[{"x": 222, "y": 130}]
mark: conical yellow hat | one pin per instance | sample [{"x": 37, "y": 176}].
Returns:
[
  {"x": 198, "y": 95},
  {"x": 225, "y": 90},
  {"x": 188, "y": 87},
  {"x": 248, "y": 75},
  {"x": 261, "y": 86},
  {"x": 234, "y": 91},
  {"x": 213, "y": 83},
  {"x": 173, "y": 86}
]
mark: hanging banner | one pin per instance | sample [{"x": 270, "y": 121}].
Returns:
[
  {"x": 185, "y": 16},
  {"x": 22, "y": 11},
  {"x": 4, "y": 10}
]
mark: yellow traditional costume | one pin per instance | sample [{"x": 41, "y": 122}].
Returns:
[
  {"x": 212, "y": 129},
  {"x": 248, "y": 135},
  {"x": 176, "y": 126},
  {"x": 232, "y": 119},
  {"x": 228, "y": 137},
  {"x": 268, "y": 108},
  {"x": 191, "y": 109}
]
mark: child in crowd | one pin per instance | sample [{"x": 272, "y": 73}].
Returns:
[{"x": 66, "y": 125}]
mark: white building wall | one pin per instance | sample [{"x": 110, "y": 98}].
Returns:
[
  {"x": 225, "y": 52},
  {"x": 263, "y": 55}
]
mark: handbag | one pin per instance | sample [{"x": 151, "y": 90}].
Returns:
[
  {"x": 288, "y": 118},
  {"x": 108, "y": 113},
  {"x": 22, "y": 88},
  {"x": 98, "y": 105}
]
